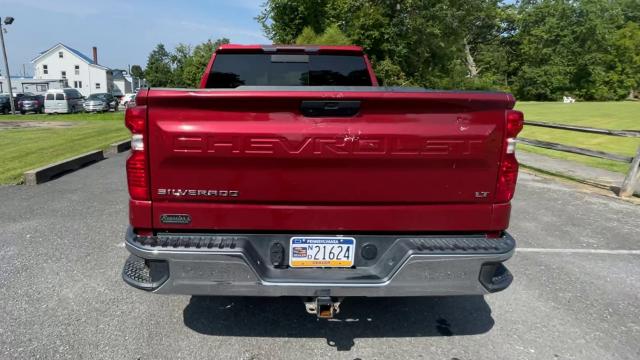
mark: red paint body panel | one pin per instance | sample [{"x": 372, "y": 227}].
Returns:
[
  {"x": 310, "y": 218},
  {"x": 140, "y": 216},
  {"x": 244, "y": 159},
  {"x": 401, "y": 149}
]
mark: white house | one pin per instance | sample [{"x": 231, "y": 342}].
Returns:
[
  {"x": 122, "y": 82},
  {"x": 125, "y": 83},
  {"x": 73, "y": 69}
]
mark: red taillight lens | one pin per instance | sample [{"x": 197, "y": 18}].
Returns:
[
  {"x": 135, "y": 119},
  {"x": 515, "y": 123},
  {"x": 508, "y": 171},
  {"x": 137, "y": 167},
  {"x": 507, "y": 178},
  {"x": 137, "y": 176}
]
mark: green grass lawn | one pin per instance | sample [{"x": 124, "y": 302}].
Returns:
[
  {"x": 26, "y": 149},
  {"x": 605, "y": 115}
]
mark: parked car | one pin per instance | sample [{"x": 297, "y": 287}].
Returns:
[
  {"x": 58, "y": 101},
  {"x": 100, "y": 102},
  {"x": 29, "y": 103},
  {"x": 290, "y": 172},
  {"x": 132, "y": 102},
  {"x": 124, "y": 101},
  {"x": 5, "y": 105}
]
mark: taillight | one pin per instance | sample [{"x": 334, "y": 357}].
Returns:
[
  {"x": 515, "y": 123},
  {"x": 135, "y": 120},
  {"x": 508, "y": 170}
]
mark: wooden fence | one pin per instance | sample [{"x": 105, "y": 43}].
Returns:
[{"x": 632, "y": 178}]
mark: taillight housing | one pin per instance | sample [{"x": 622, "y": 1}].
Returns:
[
  {"x": 135, "y": 120},
  {"x": 508, "y": 169}
]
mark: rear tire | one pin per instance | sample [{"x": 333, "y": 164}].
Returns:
[{"x": 22, "y": 112}]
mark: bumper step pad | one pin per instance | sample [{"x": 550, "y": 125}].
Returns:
[
  {"x": 145, "y": 274},
  {"x": 426, "y": 245},
  {"x": 475, "y": 245},
  {"x": 187, "y": 241}
]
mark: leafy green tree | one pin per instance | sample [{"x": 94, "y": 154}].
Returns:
[
  {"x": 564, "y": 47},
  {"x": 284, "y": 20},
  {"x": 627, "y": 54},
  {"x": 136, "y": 71},
  {"x": 181, "y": 68},
  {"x": 307, "y": 37},
  {"x": 390, "y": 74},
  {"x": 179, "y": 58},
  {"x": 158, "y": 71},
  {"x": 630, "y": 10},
  {"x": 197, "y": 62},
  {"x": 331, "y": 36},
  {"x": 428, "y": 42},
  {"x": 539, "y": 49}
]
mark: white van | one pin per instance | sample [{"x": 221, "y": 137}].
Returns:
[{"x": 57, "y": 101}]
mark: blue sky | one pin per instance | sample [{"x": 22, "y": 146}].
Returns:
[{"x": 124, "y": 31}]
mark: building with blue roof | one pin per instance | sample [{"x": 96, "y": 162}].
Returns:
[{"x": 71, "y": 68}]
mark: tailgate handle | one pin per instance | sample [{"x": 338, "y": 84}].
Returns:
[{"x": 329, "y": 108}]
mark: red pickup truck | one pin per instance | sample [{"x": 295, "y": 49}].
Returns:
[{"x": 290, "y": 172}]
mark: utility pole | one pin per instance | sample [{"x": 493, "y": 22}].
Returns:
[{"x": 7, "y": 21}]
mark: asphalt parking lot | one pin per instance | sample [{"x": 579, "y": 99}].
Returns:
[{"x": 576, "y": 293}]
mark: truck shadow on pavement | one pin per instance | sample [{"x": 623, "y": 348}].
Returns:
[{"x": 358, "y": 318}]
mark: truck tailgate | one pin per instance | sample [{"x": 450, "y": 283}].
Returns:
[{"x": 326, "y": 159}]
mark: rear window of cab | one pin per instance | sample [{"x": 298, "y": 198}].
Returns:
[{"x": 233, "y": 70}]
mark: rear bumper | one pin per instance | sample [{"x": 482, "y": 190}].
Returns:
[
  {"x": 56, "y": 110},
  {"x": 92, "y": 108},
  {"x": 240, "y": 265}
]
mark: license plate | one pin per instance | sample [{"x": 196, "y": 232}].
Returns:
[{"x": 322, "y": 251}]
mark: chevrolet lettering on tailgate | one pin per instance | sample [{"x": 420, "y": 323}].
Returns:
[{"x": 346, "y": 145}]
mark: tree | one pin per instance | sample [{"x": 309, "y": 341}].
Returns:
[
  {"x": 181, "y": 68},
  {"x": 331, "y": 36},
  {"x": 179, "y": 58},
  {"x": 539, "y": 49},
  {"x": 565, "y": 48},
  {"x": 136, "y": 71},
  {"x": 390, "y": 74},
  {"x": 627, "y": 54},
  {"x": 158, "y": 71},
  {"x": 284, "y": 20},
  {"x": 423, "y": 41},
  {"x": 195, "y": 65}
]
